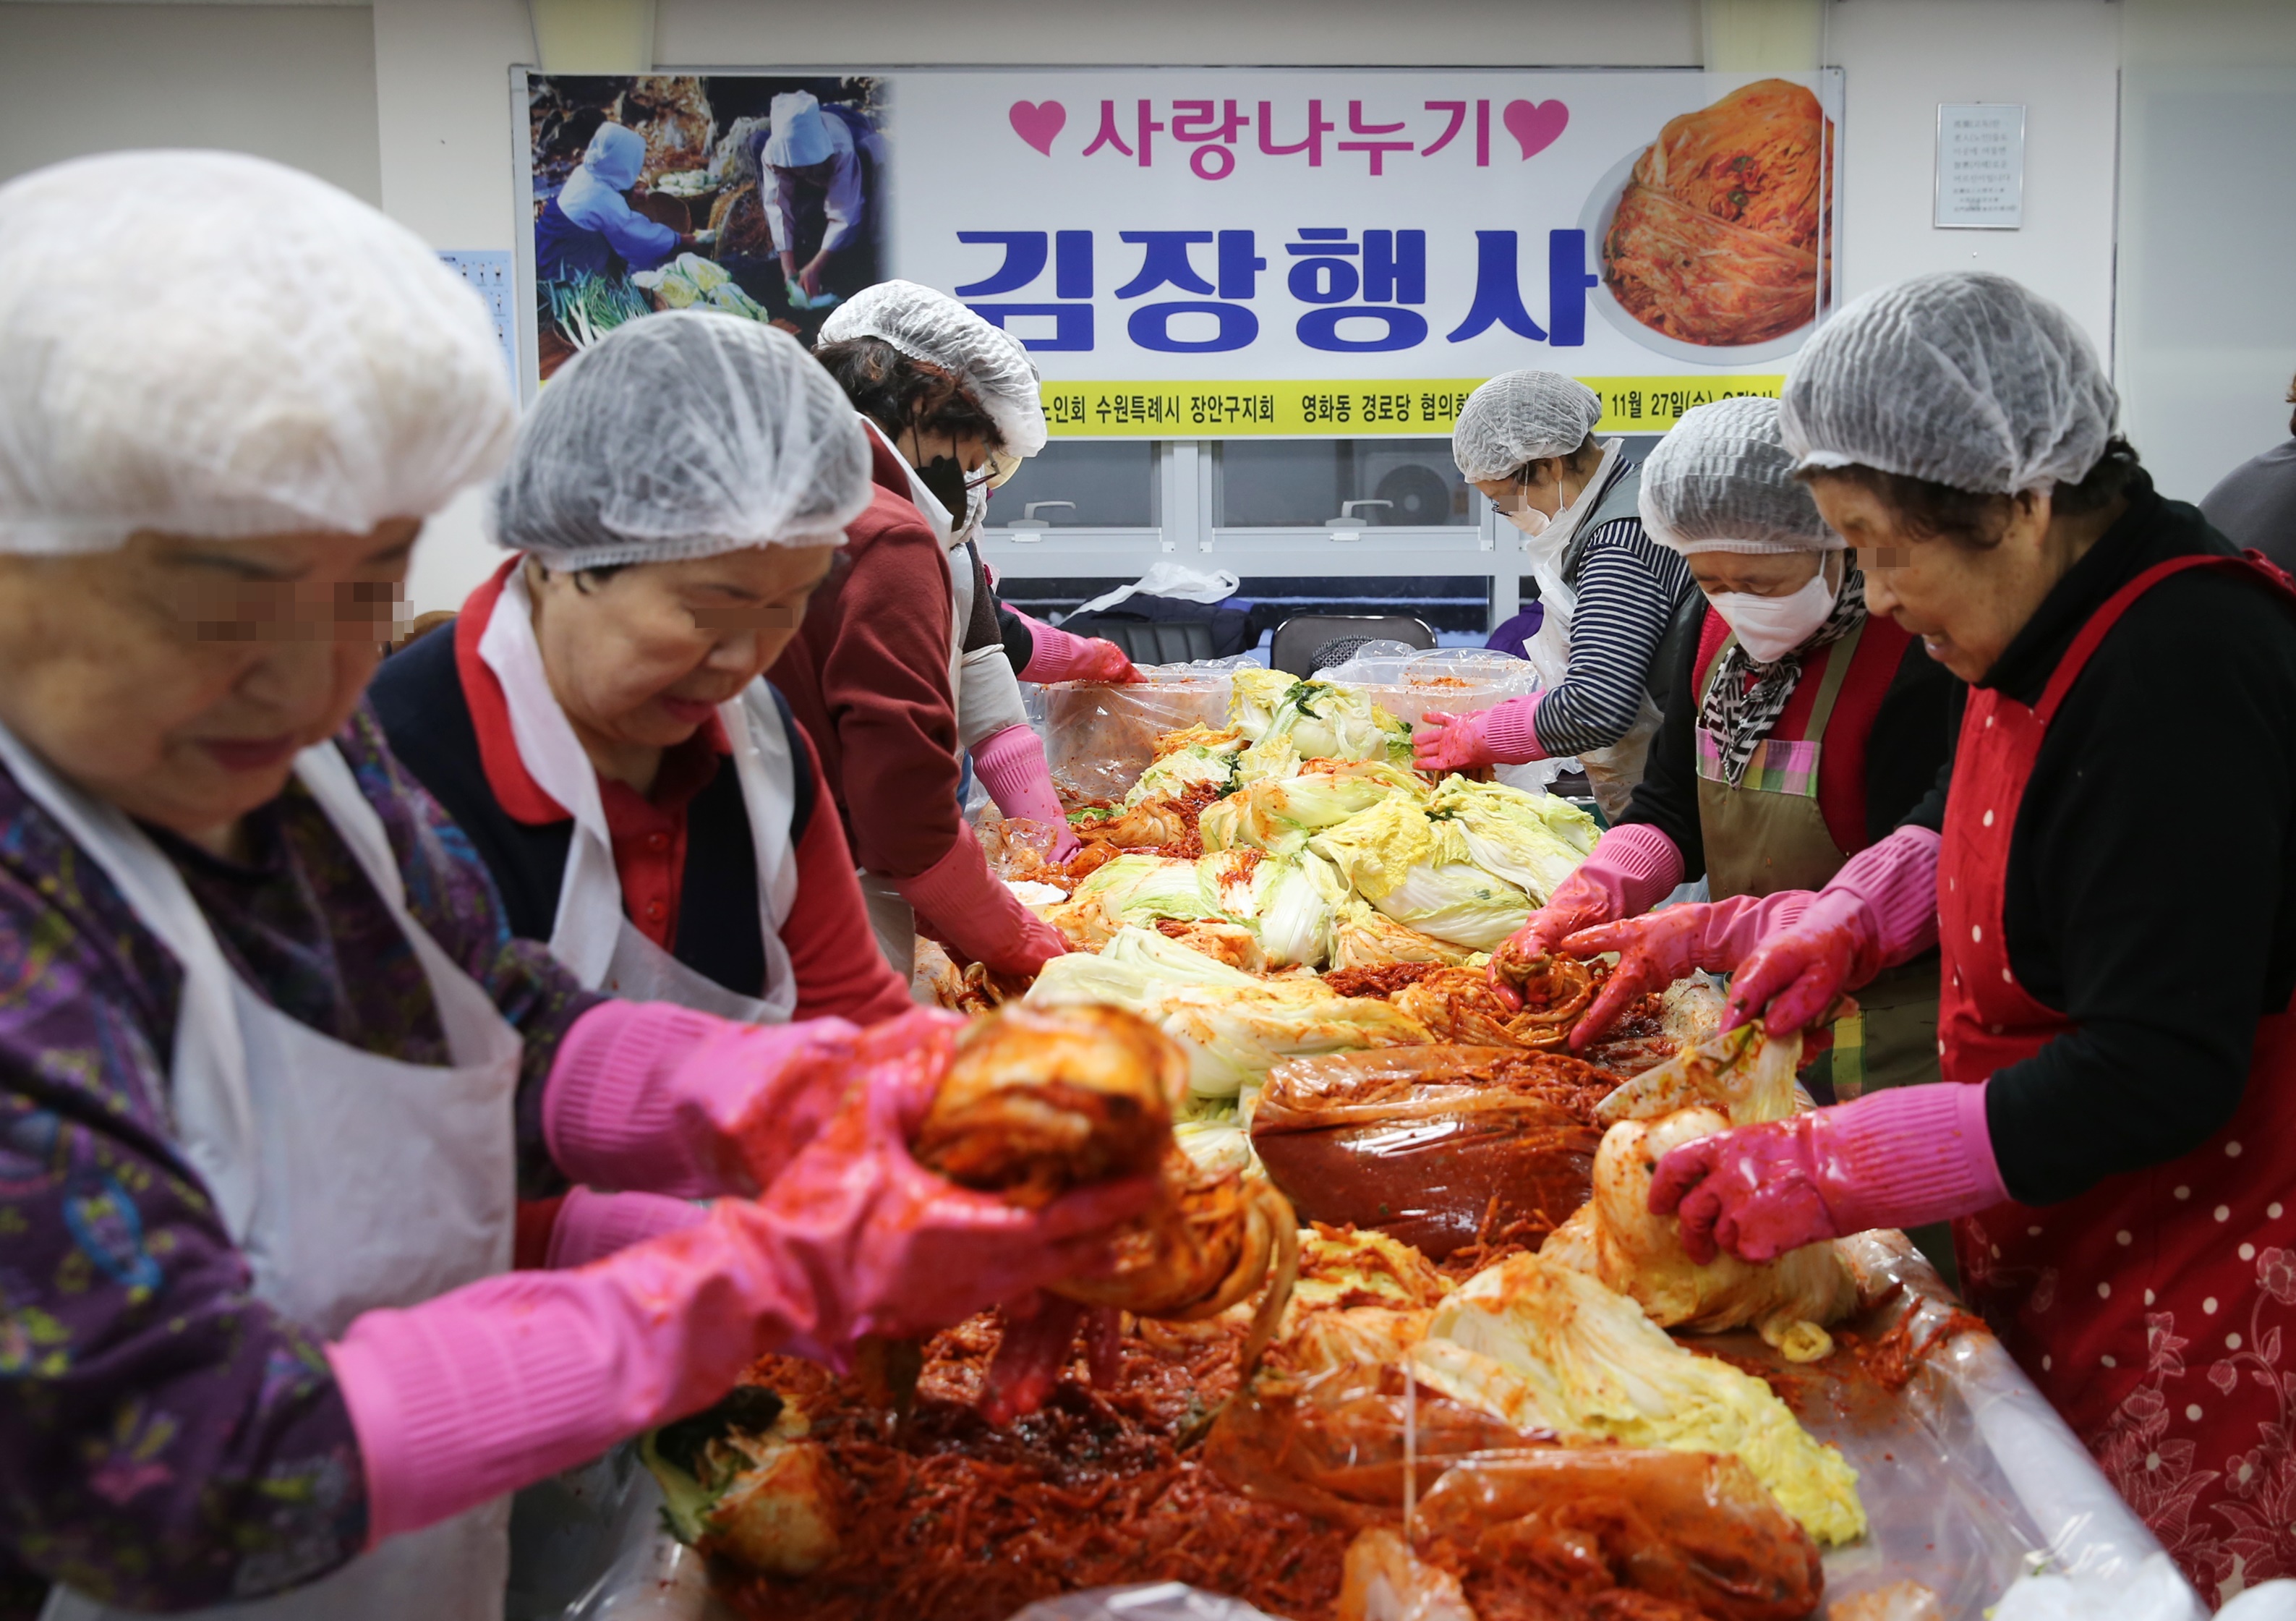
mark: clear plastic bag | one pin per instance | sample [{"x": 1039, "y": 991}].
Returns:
[
  {"x": 1099, "y": 738},
  {"x": 1409, "y": 681}
]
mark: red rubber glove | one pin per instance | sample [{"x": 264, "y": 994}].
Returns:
[
  {"x": 1802, "y": 970},
  {"x": 1659, "y": 948},
  {"x": 1453, "y": 743},
  {"x": 1757, "y": 1192},
  {"x": 1632, "y": 869},
  {"x": 1060, "y": 655},
  {"x": 1900, "y": 1158},
  {"x": 959, "y": 901}
]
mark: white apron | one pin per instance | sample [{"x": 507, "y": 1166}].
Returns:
[
  {"x": 591, "y": 936},
  {"x": 350, "y": 1182}
]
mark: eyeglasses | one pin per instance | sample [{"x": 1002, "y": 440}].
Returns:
[{"x": 999, "y": 468}]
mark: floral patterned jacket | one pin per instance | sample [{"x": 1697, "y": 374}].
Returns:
[{"x": 166, "y": 1439}]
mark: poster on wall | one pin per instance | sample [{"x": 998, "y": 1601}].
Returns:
[{"x": 1215, "y": 252}]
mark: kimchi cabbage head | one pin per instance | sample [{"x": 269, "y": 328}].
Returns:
[
  {"x": 1288, "y": 718},
  {"x": 1534, "y": 841},
  {"x": 1420, "y": 871},
  {"x": 1196, "y": 766},
  {"x": 1280, "y": 814},
  {"x": 1234, "y": 1026},
  {"x": 1141, "y": 889}
]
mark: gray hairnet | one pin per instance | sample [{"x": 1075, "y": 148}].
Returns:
[
  {"x": 207, "y": 343},
  {"x": 988, "y": 362},
  {"x": 1963, "y": 378},
  {"x": 1519, "y": 416},
  {"x": 684, "y": 434},
  {"x": 1723, "y": 480}
]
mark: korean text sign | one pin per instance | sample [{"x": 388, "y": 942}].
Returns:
[{"x": 1193, "y": 252}]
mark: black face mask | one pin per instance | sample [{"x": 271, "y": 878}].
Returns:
[{"x": 944, "y": 476}]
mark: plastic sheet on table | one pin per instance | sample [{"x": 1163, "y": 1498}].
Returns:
[
  {"x": 1099, "y": 738},
  {"x": 1970, "y": 1477}
]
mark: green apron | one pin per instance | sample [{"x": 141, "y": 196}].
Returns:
[{"x": 1768, "y": 835}]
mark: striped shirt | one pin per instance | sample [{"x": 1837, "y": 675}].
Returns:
[{"x": 1628, "y": 587}]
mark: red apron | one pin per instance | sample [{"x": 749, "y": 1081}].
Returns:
[{"x": 2150, "y": 1309}]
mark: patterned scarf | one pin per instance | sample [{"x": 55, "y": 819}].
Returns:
[{"x": 1741, "y": 716}]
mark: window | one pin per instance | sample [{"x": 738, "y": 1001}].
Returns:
[
  {"x": 1082, "y": 483},
  {"x": 1410, "y": 483}
]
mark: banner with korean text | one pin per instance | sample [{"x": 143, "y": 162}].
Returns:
[{"x": 1215, "y": 252}]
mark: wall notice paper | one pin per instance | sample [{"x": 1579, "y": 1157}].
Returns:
[
  {"x": 1193, "y": 253},
  {"x": 1980, "y": 166},
  {"x": 491, "y": 272}
]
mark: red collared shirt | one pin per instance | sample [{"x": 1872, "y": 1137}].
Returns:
[{"x": 648, "y": 830}]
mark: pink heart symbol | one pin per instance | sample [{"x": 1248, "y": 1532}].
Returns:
[
  {"x": 1534, "y": 125},
  {"x": 1038, "y": 122}
]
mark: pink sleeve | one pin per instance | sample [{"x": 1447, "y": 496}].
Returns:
[
  {"x": 1055, "y": 654},
  {"x": 592, "y": 1224},
  {"x": 1910, "y": 1156},
  {"x": 1898, "y": 880},
  {"x": 1511, "y": 730},
  {"x": 653, "y": 1097},
  {"x": 1635, "y": 866}
]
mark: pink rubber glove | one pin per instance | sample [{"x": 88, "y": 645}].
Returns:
[
  {"x": 657, "y": 1097},
  {"x": 500, "y": 1383},
  {"x": 1881, "y": 909},
  {"x": 960, "y": 902},
  {"x": 1633, "y": 868},
  {"x": 590, "y": 1225},
  {"x": 1505, "y": 734},
  {"x": 1452, "y": 742},
  {"x": 1010, "y": 764},
  {"x": 1900, "y": 1158},
  {"x": 1659, "y": 948},
  {"x": 1060, "y": 656}
]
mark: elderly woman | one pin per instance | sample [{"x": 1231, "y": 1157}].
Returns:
[
  {"x": 597, "y": 723},
  {"x": 273, "y": 1069},
  {"x": 1610, "y": 596},
  {"x": 1799, "y": 730},
  {"x": 901, "y": 666},
  {"x": 2117, "y": 966}
]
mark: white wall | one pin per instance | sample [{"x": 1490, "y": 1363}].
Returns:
[
  {"x": 296, "y": 84},
  {"x": 2208, "y": 233},
  {"x": 1903, "y": 57}
]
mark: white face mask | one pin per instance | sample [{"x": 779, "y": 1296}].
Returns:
[
  {"x": 1771, "y": 627},
  {"x": 1528, "y": 519}
]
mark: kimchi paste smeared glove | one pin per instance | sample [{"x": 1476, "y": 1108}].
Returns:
[
  {"x": 500, "y": 1383},
  {"x": 1879, "y": 909},
  {"x": 1900, "y": 1158},
  {"x": 660, "y": 1099},
  {"x": 1659, "y": 948}
]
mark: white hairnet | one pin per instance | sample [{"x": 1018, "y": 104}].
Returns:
[
  {"x": 989, "y": 362},
  {"x": 616, "y": 155},
  {"x": 797, "y": 140},
  {"x": 684, "y": 434},
  {"x": 1963, "y": 378},
  {"x": 1520, "y": 416},
  {"x": 1723, "y": 480},
  {"x": 206, "y": 344}
]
